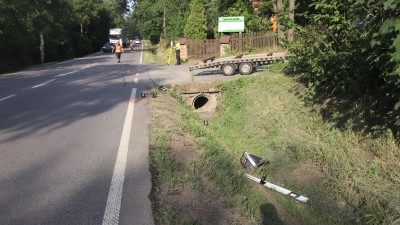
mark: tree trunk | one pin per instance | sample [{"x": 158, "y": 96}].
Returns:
[
  {"x": 279, "y": 6},
  {"x": 164, "y": 24},
  {"x": 41, "y": 47},
  {"x": 291, "y": 16}
]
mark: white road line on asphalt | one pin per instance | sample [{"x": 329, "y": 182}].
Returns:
[
  {"x": 39, "y": 85},
  {"x": 141, "y": 55},
  {"x": 64, "y": 74},
  {"x": 136, "y": 80},
  {"x": 10, "y": 96},
  {"x": 43, "y": 67},
  {"x": 88, "y": 66},
  {"x": 111, "y": 214}
]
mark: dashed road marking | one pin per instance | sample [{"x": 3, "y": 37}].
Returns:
[
  {"x": 10, "y": 96},
  {"x": 64, "y": 74},
  {"x": 39, "y": 85},
  {"x": 88, "y": 66}
]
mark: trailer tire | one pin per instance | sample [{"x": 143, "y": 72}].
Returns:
[
  {"x": 246, "y": 68},
  {"x": 228, "y": 69}
]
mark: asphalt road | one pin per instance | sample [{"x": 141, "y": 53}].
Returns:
[{"x": 74, "y": 143}]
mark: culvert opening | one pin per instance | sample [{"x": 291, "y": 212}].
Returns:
[{"x": 200, "y": 102}]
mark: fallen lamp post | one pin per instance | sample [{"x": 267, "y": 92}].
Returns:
[{"x": 252, "y": 162}]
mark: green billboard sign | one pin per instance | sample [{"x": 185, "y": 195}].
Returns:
[{"x": 231, "y": 24}]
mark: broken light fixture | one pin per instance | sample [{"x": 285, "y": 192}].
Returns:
[{"x": 252, "y": 162}]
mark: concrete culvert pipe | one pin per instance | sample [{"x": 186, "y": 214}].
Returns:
[{"x": 200, "y": 102}]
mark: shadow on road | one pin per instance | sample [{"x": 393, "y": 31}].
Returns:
[{"x": 70, "y": 98}]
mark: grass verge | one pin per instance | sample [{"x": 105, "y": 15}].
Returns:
[
  {"x": 159, "y": 54},
  {"x": 349, "y": 177},
  {"x": 358, "y": 178},
  {"x": 224, "y": 169},
  {"x": 170, "y": 178},
  {"x": 361, "y": 175}
]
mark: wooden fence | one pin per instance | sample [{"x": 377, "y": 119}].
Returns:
[
  {"x": 211, "y": 47},
  {"x": 254, "y": 40},
  {"x": 203, "y": 49}
]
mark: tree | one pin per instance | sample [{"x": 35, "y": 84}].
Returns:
[
  {"x": 244, "y": 8},
  {"x": 85, "y": 11},
  {"x": 264, "y": 15},
  {"x": 291, "y": 17},
  {"x": 378, "y": 23},
  {"x": 33, "y": 32},
  {"x": 352, "y": 48},
  {"x": 149, "y": 16},
  {"x": 175, "y": 17},
  {"x": 196, "y": 27},
  {"x": 212, "y": 12}
]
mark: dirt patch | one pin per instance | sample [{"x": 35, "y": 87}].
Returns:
[
  {"x": 205, "y": 206},
  {"x": 280, "y": 213},
  {"x": 306, "y": 175}
]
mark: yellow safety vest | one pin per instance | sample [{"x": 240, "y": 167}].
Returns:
[{"x": 118, "y": 48}]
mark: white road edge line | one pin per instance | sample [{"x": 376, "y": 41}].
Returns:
[
  {"x": 111, "y": 214},
  {"x": 88, "y": 66},
  {"x": 64, "y": 74},
  {"x": 141, "y": 55},
  {"x": 10, "y": 96},
  {"x": 39, "y": 85}
]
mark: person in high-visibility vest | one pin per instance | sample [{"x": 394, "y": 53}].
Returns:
[
  {"x": 131, "y": 44},
  {"x": 274, "y": 22},
  {"x": 178, "y": 52},
  {"x": 118, "y": 50}
]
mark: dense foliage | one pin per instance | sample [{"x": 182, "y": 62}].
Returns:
[
  {"x": 33, "y": 32},
  {"x": 196, "y": 27},
  {"x": 347, "y": 52},
  {"x": 168, "y": 19},
  {"x": 352, "y": 48}
]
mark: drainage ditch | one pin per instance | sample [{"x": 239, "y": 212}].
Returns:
[
  {"x": 200, "y": 101},
  {"x": 205, "y": 101}
]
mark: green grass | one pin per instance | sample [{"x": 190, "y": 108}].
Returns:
[
  {"x": 224, "y": 169},
  {"x": 266, "y": 116},
  {"x": 194, "y": 178},
  {"x": 168, "y": 216},
  {"x": 168, "y": 170},
  {"x": 171, "y": 216},
  {"x": 271, "y": 121},
  {"x": 160, "y": 54}
]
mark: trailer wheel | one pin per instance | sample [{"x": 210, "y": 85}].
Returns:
[
  {"x": 228, "y": 69},
  {"x": 245, "y": 68}
]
